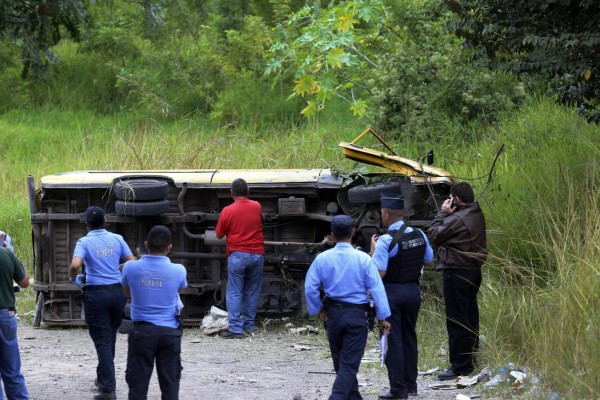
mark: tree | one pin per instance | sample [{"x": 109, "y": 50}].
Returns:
[
  {"x": 555, "y": 39},
  {"x": 35, "y": 26},
  {"x": 393, "y": 61}
]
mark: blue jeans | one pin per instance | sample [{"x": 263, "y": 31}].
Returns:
[
  {"x": 244, "y": 284},
  {"x": 10, "y": 359},
  {"x": 103, "y": 314}
]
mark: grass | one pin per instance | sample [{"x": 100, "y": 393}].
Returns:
[{"x": 540, "y": 297}]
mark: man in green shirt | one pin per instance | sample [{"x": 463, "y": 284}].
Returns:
[{"x": 11, "y": 270}]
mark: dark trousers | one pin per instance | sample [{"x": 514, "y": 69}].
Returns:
[
  {"x": 462, "y": 317},
  {"x": 347, "y": 330},
  {"x": 103, "y": 314},
  {"x": 403, "y": 354},
  {"x": 146, "y": 344}
]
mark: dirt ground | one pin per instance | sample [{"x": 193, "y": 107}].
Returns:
[{"x": 59, "y": 363}]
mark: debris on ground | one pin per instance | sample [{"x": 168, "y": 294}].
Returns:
[
  {"x": 510, "y": 376},
  {"x": 430, "y": 371},
  {"x": 301, "y": 347},
  {"x": 303, "y": 331},
  {"x": 215, "y": 321}
]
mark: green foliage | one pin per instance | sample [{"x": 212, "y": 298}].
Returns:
[
  {"x": 545, "y": 209},
  {"x": 14, "y": 89},
  {"x": 393, "y": 61},
  {"x": 251, "y": 101},
  {"x": 319, "y": 50},
  {"x": 246, "y": 47},
  {"x": 558, "y": 40},
  {"x": 36, "y": 26},
  {"x": 423, "y": 83}
]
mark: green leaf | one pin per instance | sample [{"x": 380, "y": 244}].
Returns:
[
  {"x": 309, "y": 110},
  {"x": 335, "y": 58},
  {"x": 306, "y": 84},
  {"x": 369, "y": 10},
  {"x": 346, "y": 23},
  {"x": 359, "y": 108}
]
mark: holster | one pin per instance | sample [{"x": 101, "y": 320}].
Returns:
[{"x": 371, "y": 315}]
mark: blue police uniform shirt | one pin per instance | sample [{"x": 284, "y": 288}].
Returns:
[
  {"x": 102, "y": 252},
  {"x": 154, "y": 283},
  {"x": 346, "y": 274},
  {"x": 9, "y": 240},
  {"x": 381, "y": 255}
]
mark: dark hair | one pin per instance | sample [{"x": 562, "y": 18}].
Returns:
[
  {"x": 464, "y": 191},
  {"x": 159, "y": 238},
  {"x": 239, "y": 187}
]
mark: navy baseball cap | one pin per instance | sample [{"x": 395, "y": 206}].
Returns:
[
  {"x": 94, "y": 216},
  {"x": 342, "y": 225},
  {"x": 393, "y": 201}
]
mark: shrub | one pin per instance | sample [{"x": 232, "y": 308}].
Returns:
[{"x": 425, "y": 83}]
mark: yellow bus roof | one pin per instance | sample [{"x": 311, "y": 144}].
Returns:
[{"x": 195, "y": 178}]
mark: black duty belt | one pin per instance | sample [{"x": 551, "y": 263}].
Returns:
[
  {"x": 416, "y": 281},
  {"x": 142, "y": 323},
  {"x": 342, "y": 304},
  {"x": 102, "y": 287}
]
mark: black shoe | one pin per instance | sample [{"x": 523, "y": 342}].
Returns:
[
  {"x": 105, "y": 396},
  {"x": 447, "y": 375},
  {"x": 232, "y": 335},
  {"x": 412, "y": 393},
  {"x": 391, "y": 396}
]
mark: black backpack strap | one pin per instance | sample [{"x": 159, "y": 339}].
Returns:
[{"x": 397, "y": 236}]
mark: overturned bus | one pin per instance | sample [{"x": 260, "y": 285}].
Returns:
[{"x": 297, "y": 205}]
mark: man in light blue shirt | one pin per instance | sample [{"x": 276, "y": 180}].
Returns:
[
  {"x": 346, "y": 275},
  {"x": 5, "y": 238},
  {"x": 153, "y": 283},
  {"x": 400, "y": 255},
  {"x": 102, "y": 253}
]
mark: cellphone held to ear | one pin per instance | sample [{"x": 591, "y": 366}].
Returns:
[{"x": 454, "y": 203}]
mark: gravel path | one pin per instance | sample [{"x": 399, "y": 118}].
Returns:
[{"x": 59, "y": 363}]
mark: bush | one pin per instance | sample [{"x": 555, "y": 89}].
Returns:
[
  {"x": 424, "y": 83},
  {"x": 249, "y": 100}
]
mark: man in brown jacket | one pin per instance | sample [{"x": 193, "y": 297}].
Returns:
[{"x": 458, "y": 231}]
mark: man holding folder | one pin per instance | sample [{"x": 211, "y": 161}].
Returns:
[{"x": 399, "y": 255}]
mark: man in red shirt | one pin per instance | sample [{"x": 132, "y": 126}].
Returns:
[{"x": 241, "y": 224}]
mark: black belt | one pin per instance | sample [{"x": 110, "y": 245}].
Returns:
[
  {"x": 102, "y": 287},
  {"x": 8, "y": 309},
  {"x": 416, "y": 281},
  {"x": 342, "y": 304},
  {"x": 138, "y": 323}
]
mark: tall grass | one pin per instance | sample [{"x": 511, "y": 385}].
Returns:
[{"x": 541, "y": 299}]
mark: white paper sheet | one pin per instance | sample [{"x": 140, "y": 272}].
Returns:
[{"x": 383, "y": 346}]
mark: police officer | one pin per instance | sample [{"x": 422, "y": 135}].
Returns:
[
  {"x": 9, "y": 243},
  {"x": 399, "y": 255},
  {"x": 346, "y": 275},
  {"x": 153, "y": 283},
  {"x": 101, "y": 252}
]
